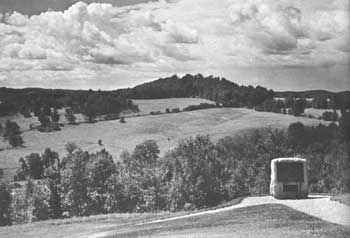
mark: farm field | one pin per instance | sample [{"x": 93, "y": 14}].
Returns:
[
  {"x": 267, "y": 220},
  {"x": 165, "y": 129}
]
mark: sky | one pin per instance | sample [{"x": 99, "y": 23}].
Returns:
[{"x": 282, "y": 45}]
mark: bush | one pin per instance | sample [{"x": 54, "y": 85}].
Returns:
[
  {"x": 30, "y": 204},
  {"x": 11, "y": 128},
  {"x": 175, "y": 110},
  {"x": 330, "y": 116},
  {"x": 12, "y": 134},
  {"x": 5, "y": 204},
  {"x": 15, "y": 140},
  {"x": 199, "y": 107},
  {"x": 156, "y": 113},
  {"x": 126, "y": 194},
  {"x": 70, "y": 117},
  {"x": 44, "y": 120},
  {"x": 55, "y": 117}
]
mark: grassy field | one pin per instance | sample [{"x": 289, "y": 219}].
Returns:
[
  {"x": 94, "y": 224},
  {"x": 147, "y": 106},
  {"x": 269, "y": 220},
  {"x": 166, "y": 129}
]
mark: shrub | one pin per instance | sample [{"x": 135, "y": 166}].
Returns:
[
  {"x": 175, "y": 110},
  {"x": 5, "y": 204},
  {"x": 30, "y": 204},
  {"x": 35, "y": 166},
  {"x": 44, "y": 120},
  {"x": 70, "y": 147},
  {"x": 70, "y": 117},
  {"x": 344, "y": 125},
  {"x": 55, "y": 117},
  {"x": 126, "y": 194},
  {"x": 330, "y": 116},
  {"x": 199, "y": 107},
  {"x": 12, "y": 134},
  {"x": 155, "y": 112},
  {"x": 15, "y": 140}
]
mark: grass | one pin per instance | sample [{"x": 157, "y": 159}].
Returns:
[
  {"x": 147, "y": 106},
  {"x": 342, "y": 198},
  {"x": 269, "y": 220},
  {"x": 68, "y": 227},
  {"x": 86, "y": 225},
  {"x": 165, "y": 129}
]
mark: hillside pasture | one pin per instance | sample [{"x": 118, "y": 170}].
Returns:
[{"x": 165, "y": 129}]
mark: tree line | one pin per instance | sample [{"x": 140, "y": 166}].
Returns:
[
  {"x": 43, "y": 102},
  {"x": 197, "y": 173},
  {"x": 320, "y": 99}
]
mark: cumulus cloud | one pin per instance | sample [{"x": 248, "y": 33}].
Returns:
[{"x": 175, "y": 35}]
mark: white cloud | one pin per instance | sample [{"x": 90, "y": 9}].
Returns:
[{"x": 177, "y": 36}]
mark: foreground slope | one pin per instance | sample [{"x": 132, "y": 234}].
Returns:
[{"x": 255, "y": 217}]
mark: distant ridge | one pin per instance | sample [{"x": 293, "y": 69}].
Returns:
[
  {"x": 311, "y": 93},
  {"x": 220, "y": 90}
]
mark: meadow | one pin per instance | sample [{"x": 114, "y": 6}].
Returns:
[{"x": 165, "y": 129}]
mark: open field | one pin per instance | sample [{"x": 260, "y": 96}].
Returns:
[
  {"x": 265, "y": 220},
  {"x": 166, "y": 129},
  {"x": 147, "y": 106}
]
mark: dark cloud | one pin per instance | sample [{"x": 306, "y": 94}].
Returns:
[{"x": 34, "y": 7}]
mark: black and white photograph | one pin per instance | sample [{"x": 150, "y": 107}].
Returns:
[{"x": 174, "y": 118}]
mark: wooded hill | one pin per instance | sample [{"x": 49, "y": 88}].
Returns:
[{"x": 212, "y": 88}]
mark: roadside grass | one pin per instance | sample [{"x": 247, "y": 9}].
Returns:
[
  {"x": 270, "y": 220},
  {"x": 86, "y": 225},
  {"x": 342, "y": 198}
]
